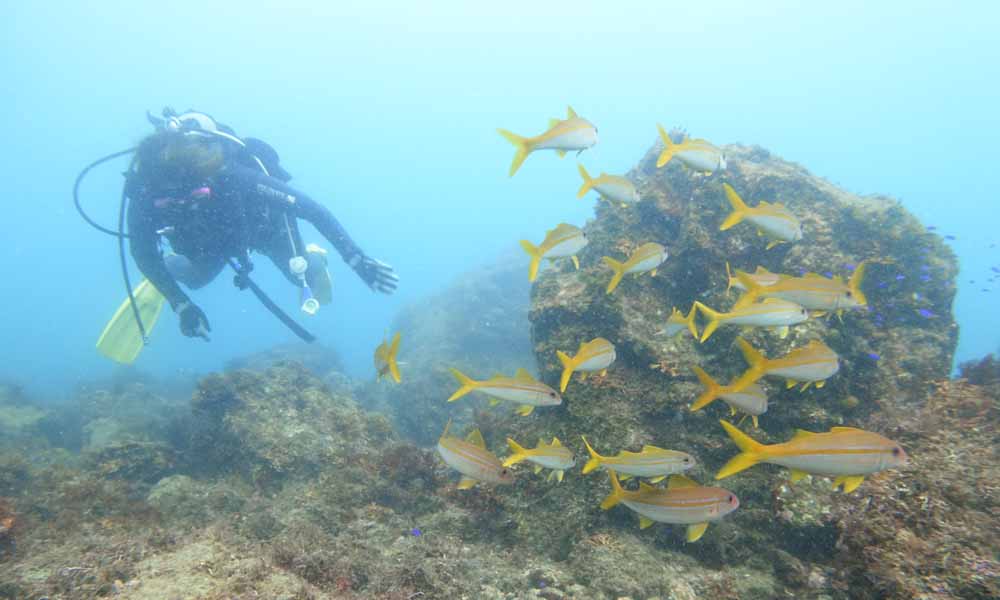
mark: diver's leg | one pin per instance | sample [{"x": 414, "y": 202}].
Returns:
[
  {"x": 194, "y": 273},
  {"x": 279, "y": 250}
]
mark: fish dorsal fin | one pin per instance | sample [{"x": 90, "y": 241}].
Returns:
[
  {"x": 845, "y": 429},
  {"x": 680, "y": 481},
  {"x": 811, "y": 275},
  {"x": 645, "y": 487},
  {"x": 553, "y": 122},
  {"x": 778, "y": 205},
  {"x": 562, "y": 228},
  {"x": 651, "y": 449},
  {"x": 802, "y": 434},
  {"x": 522, "y": 375},
  {"x": 761, "y": 271},
  {"x": 556, "y": 442},
  {"x": 476, "y": 438},
  {"x": 837, "y": 278},
  {"x": 498, "y": 376},
  {"x": 570, "y": 113}
]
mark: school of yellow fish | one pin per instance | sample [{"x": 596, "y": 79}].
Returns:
[{"x": 770, "y": 300}]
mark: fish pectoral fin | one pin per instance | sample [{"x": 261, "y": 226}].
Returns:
[
  {"x": 798, "y": 475},
  {"x": 695, "y": 531},
  {"x": 524, "y": 410},
  {"x": 576, "y": 262},
  {"x": 645, "y": 522},
  {"x": 850, "y": 482},
  {"x": 466, "y": 483}
]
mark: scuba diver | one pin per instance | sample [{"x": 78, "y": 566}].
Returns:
[{"x": 213, "y": 198}]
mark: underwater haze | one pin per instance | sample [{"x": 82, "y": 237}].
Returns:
[{"x": 387, "y": 114}]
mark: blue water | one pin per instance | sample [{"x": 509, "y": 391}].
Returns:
[{"x": 387, "y": 112}]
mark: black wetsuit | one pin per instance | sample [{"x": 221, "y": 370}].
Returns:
[{"x": 245, "y": 211}]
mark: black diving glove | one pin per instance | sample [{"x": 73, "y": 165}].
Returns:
[
  {"x": 193, "y": 321},
  {"x": 379, "y": 276}
]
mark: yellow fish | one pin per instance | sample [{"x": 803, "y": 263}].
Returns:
[
  {"x": 562, "y": 242},
  {"x": 651, "y": 462},
  {"x": 612, "y": 188},
  {"x": 646, "y": 257},
  {"x": 553, "y": 456},
  {"x": 813, "y": 363},
  {"x": 699, "y": 155},
  {"x": 572, "y": 134},
  {"x": 522, "y": 389},
  {"x": 774, "y": 221},
  {"x": 845, "y": 453},
  {"x": 677, "y": 323},
  {"x": 774, "y": 313},
  {"x": 751, "y": 400},
  {"x": 683, "y": 502},
  {"x": 595, "y": 355},
  {"x": 811, "y": 291},
  {"x": 471, "y": 458},
  {"x": 385, "y": 359},
  {"x": 761, "y": 277}
]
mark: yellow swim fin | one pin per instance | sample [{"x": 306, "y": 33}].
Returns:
[{"x": 121, "y": 340}]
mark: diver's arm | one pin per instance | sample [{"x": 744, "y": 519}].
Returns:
[{"x": 146, "y": 252}]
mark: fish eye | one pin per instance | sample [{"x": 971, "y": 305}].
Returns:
[
  {"x": 552, "y": 394},
  {"x": 732, "y": 499},
  {"x": 848, "y": 293},
  {"x": 505, "y": 471},
  {"x": 897, "y": 451},
  {"x": 687, "y": 460}
]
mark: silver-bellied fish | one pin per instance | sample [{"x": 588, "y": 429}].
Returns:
[
  {"x": 521, "y": 389},
  {"x": 651, "y": 462},
  {"x": 773, "y": 313},
  {"x": 811, "y": 364},
  {"x": 811, "y": 291},
  {"x": 683, "y": 502},
  {"x": 773, "y": 221},
  {"x": 845, "y": 453},
  {"x": 646, "y": 257},
  {"x": 572, "y": 134},
  {"x": 595, "y": 355},
  {"x": 553, "y": 456},
  {"x": 385, "y": 359},
  {"x": 678, "y": 322},
  {"x": 613, "y": 188},
  {"x": 564, "y": 241},
  {"x": 696, "y": 154},
  {"x": 471, "y": 458},
  {"x": 751, "y": 400}
]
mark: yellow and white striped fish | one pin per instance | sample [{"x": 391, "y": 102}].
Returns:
[
  {"x": 522, "y": 389},
  {"x": 696, "y": 154},
  {"x": 471, "y": 458},
  {"x": 845, "y": 453},
  {"x": 813, "y": 363},
  {"x": 553, "y": 456},
  {"x": 751, "y": 400},
  {"x": 564, "y": 241},
  {"x": 773, "y": 313},
  {"x": 646, "y": 257},
  {"x": 810, "y": 291},
  {"x": 761, "y": 277},
  {"x": 595, "y": 355},
  {"x": 613, "y": 188},
  {"x": 677, "y": 322},
  {"x": 651, "y": 462},
  {"x": 683, "y": 502},
  {"x": 571, "y": 134},
  {"x": 385, "y": 359},
  {"x": 774, "y": 221}
]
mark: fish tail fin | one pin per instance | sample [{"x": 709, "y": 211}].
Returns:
[
  {"x": 753, "y": 356},
  {"x": 522, "y": 146},
  {"x": 668, "y": 147},
  {"x": 391, "y": 359},
  {"x": 466, "y": 382},
  {"x": 595, "y": 458},
  {"x": 568, "y": 368},
  {"x": 617, "y": 493},
  {"x": 711, "y": 392},
  {"x": 689, "y": 320},
  {"x": 729, "y": 278},
  {"x": 739, "y": 208},
  {"x": 752, "y": 452},
  {"x": 619, "y": 269},
  {"x": 518, "y": 453},
  {"x": 854, "y": 283},
  {"x": 714, "y": 320},
  {"x": 536, "y": 258},
  {"x": 588, "y": 181}
]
